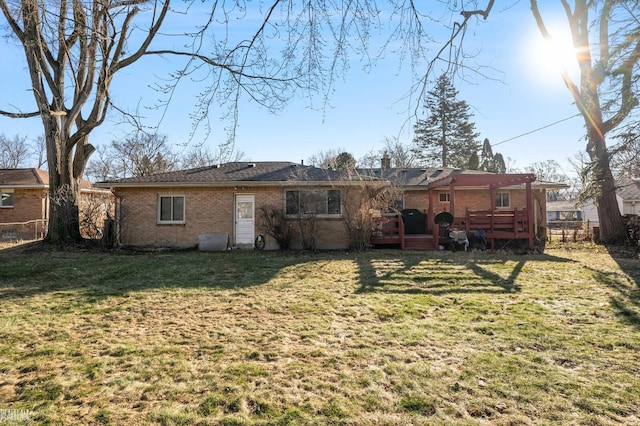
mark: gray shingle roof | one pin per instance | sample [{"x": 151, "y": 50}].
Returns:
[
  {"x": 416, "y": 176},
  {"x": 236, "y": 172},
  {"x": 279, "y": 172}
]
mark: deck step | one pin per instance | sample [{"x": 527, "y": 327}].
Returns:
[{"x": 419, "y": 243}]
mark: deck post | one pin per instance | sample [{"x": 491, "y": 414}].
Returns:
[
  {"x": 529, "y": 212},
  {"x": 430, "y": 214},
  {"x": 452, "y": 201},
  {"x": 401, "y": 231}
]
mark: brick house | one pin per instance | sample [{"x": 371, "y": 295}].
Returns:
[
  {"x": 176, "y": 208},
  {"x": 24, "y": 203}
]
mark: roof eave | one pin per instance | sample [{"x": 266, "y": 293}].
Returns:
[
  {"x": 112, "y": 185},
  {"x": 24, "y": 186}
]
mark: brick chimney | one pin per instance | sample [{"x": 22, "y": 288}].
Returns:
[{"x": 385, "y": 162}]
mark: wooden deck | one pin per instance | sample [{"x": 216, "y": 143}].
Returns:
[
  {"x": 390, "y": 231},
  {"x": 507, "y": 224}
]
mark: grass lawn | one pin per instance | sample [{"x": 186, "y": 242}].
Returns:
[{"x": 370, "y": 338}]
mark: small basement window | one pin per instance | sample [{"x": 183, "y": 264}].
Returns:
[{"x": 10, "y": 234}]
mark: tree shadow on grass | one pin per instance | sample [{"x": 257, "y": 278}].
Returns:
[
  {"x": 440, "y": 274},
  {"x": 26, "y": 272},
  {"x": 626, "y": 302}
]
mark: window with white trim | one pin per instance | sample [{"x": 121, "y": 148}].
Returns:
[
  {"x": 320, "y": 202},
  {"x": 171, "y": 209},
  {"x": 502, "y": 200},
  {"x": 6, "y": 199},
  {"x": 443, "y": 197}
]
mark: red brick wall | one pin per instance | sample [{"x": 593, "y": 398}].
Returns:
[
  {"x": 464, "y": 199},
  {"x": 472, "y": 199}
]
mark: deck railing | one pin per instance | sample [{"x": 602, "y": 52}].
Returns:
[
  {"x": 501, "y": 223},
  {"x": 388, "y": 230},
  {"x": 497, "y": 224}
]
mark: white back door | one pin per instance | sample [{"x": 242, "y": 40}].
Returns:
[{"x": 245, "y": 223}]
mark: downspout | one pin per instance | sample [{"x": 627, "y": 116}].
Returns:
[
  {"x": 430, "y": 210},
  {"x": 430, "y": 222},
  {"x": 452, "y": 199}
]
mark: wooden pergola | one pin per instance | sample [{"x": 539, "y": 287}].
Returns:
[{"x": 482, "y": 220}]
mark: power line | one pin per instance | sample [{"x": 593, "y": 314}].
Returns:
[{"x": 535, "y": 130}]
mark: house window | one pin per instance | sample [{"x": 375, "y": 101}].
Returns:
[
  {"x": 502, "y": 199},
  {"x": 313, "y": 201},
  {"x": 170, "y": 209},
  {"x": 10, "y": 234},
  {"x": 6, "y": 199},
  {"x": 444, "y": 197}
]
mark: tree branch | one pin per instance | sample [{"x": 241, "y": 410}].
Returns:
[{"x": 20, "y": 114}]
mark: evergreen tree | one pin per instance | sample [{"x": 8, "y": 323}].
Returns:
[
  {"x": 499, "y": 163},
  {"x": 344, "y": 162},
  {"x": 446, "y": 138},
  {"x": 490, "y": 162},
  {"x": 486, "y": 156},
  {"x": 474, "y": 162}
]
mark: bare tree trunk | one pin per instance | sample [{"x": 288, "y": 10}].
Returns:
[
  {"x": 66, "y": 168},
  {"x": 588, "y": 99},
  {"x": 611, "y": 224}
]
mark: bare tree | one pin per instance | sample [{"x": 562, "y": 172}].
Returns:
[
  {"x": 607, "y": 46},
  {"x": 549, "y": 171},
  {"x": 326, "y": 159},
  {"x": 39, "y": 151},
  {"x": 400, "y": 155},
  {"x": 74, "y": 50},
  {"x": 581, "y": 181},
  {"x": 202, "y": 156},
  {"x": 14, "y": 152},
  {"x": 102, "y": 166},
  {"x": 140, "y": 154}
]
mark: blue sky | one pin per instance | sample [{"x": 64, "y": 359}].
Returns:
[{"x": 523, "y": 94}]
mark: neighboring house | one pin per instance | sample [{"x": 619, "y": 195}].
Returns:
[
  {"x": 24, "y": 203},
  {"x": 563, "y": 212},
  {"x": 176, "y": 208},
  {"x": 627, "y": 195}
]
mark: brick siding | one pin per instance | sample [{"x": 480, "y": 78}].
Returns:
[
  {"x": 211, "y": 211},
  {"x": 207, "y": 211},
  {"x": 25, "y": 219}
]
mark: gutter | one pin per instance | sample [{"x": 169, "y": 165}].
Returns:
[{"x": 113, "y": 185}]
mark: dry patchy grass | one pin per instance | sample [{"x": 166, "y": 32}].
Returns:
[{"x": 372, "y": 338}]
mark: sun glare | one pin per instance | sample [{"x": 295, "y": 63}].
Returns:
[{"x": 549, "y": 57}]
